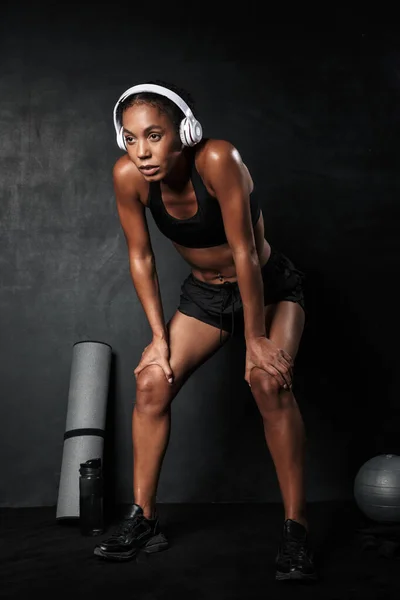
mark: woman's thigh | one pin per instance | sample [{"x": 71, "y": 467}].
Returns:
[
  {"x": 192, "y": 342},
  {"x": 284, "y": 323}
]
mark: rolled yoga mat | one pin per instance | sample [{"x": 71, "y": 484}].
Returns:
[{"x": 86, "y": 419}]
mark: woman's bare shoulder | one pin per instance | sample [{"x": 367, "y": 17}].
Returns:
[
  {"x": 214, "y": 148},
  {"x": 214, "y": 152}
]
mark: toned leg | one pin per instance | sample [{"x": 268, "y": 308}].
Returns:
[
  {"x": 192, "y": 342},
  {"x": 283, "y": 424}
]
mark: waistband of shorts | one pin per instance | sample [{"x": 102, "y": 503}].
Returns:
[
  {"x": 218, "y": 287},
  {"x": 213, "y": 287}
]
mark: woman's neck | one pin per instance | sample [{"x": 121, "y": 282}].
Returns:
[{"x": 179, "y": 175}]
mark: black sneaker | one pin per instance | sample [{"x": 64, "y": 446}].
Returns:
[
  {"x": 134, "y": 533},
  {"x": 294, "y": 559}
]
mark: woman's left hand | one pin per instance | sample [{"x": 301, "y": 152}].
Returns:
[{"x": 264, "y": 354}]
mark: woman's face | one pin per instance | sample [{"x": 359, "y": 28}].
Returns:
[{"x": 151, "y": 140}]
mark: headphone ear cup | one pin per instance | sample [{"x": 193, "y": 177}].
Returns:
[
  {"x": 121, "y": 139},
  {"x": 190, "y": 131},
  {"x": 183, "y": 134}
]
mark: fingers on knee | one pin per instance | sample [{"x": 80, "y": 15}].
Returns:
[
  {"x": 150, "y": 378},
  {"x": 264, "y": 382}
]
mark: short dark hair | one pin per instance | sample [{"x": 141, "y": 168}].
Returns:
[{"x": 164, "y": 104}]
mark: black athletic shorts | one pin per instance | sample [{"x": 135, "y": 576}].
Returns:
[{"x": 221, "y": 304}]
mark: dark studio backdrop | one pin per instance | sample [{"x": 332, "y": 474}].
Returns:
[{"x": 316, "y": 118}]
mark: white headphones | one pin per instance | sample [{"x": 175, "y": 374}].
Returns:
[{"x": 190, "y": 129}]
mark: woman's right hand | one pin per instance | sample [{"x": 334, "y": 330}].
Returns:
[{"x": 156, "y": 353}]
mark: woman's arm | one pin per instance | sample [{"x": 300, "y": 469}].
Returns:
[
  {"x": 230, "y": 183},
  {"x": 229, "y": 180},
  {"x": 141, "y": 256}
]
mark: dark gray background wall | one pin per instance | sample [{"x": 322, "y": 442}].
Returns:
[{"x": 315, "y": 117}]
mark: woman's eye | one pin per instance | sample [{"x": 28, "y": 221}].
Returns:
[
  {"x": 128, "y": 139},
  {"x": 155, "y": 137}
]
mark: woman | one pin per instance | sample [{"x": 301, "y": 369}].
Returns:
[{"x": 199, "y": 193}]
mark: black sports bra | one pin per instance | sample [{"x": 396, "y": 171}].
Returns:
[{"x": 204, "y": 229}]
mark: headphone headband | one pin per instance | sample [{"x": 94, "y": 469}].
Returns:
[
  {"x": 156, "y": 89},
  {"x": 191, "y": 131}
]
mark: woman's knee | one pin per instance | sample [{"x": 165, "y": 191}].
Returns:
[
  {"x": 150, "y": 379},
  {"x": 268, "y": 393},
  {"x": 265, "y": 389},
  {"x": 153, "y": 392},
  {"x": 264, "y": 383}
]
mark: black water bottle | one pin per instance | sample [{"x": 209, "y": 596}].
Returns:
[{"x": 91, "y": 497}]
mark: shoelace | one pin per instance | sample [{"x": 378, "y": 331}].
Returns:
[
  {"x": 125, "y": 527},
  {"x": 295, "y": 547}
]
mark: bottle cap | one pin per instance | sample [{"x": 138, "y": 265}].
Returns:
[{"x": 91, "y": 467}]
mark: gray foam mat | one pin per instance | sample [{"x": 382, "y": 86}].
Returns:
[{"x": 86, "y": 419}]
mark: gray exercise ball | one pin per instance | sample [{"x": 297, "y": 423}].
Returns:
[{"x": 377, "y": 488}]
